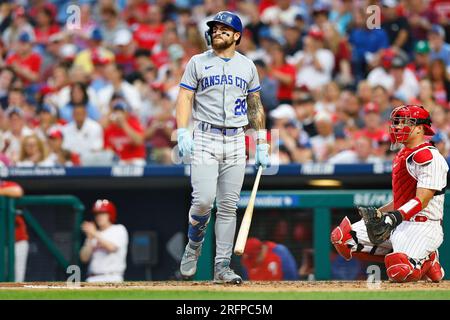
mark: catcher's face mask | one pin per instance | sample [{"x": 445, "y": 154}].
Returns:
[{"x": 404, "y": 119}]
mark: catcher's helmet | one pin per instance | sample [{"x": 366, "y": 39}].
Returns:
[
  {"x": 227, "y": 18},
  {"x": 403, "y": 119},
  {"x": 105, "y": 206}
]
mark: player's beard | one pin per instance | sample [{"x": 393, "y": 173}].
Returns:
[{"x": 225, "y": 44}]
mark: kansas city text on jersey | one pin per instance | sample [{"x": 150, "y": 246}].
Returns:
[{"x": 218, "y": 80}]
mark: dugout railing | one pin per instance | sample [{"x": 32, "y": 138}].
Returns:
[
  {"x": 321, "y": 202},
  {"x": 9, "y": 207}
]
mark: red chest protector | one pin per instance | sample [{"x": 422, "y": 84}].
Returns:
[{"x": 403, "y": 184}]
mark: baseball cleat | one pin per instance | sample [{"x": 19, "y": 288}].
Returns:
[
  {"x": 188, "y": 266},
  {"x": 224, "y": 274}
]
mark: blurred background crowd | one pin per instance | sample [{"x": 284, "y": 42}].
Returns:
[{"x": 96, "y": 85}]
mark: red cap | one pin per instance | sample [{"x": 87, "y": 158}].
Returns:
[
  {"x": 316, "y": 33},
  {"x": 55, "y": 133},
  {"x": 252, "y": 248},
  {"x": 371, "y": 107},
  {"x": 386, "y": 58}
]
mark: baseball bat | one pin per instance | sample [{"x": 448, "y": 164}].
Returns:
[{"x": 246, "y": 221}]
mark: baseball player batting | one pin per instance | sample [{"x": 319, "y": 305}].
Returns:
[
  {"x": 221, "y": 89},
  {"x": 407, "y": 232}
]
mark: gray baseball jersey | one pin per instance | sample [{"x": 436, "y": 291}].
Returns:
[{"x": 221, "y": 88}]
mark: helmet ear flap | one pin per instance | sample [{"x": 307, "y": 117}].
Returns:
[{"x": 208, "y": 36}]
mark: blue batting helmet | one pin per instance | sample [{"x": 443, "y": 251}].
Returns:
[{"x": 227, "y": 18}]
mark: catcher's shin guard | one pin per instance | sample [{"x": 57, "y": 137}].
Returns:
[
  {"x": 399, "y": 268},
  {"x": 339, "y": 237},
  {"x": 432, "y": 269}
]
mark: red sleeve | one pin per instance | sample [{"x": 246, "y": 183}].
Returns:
[
  {"x": 75, "y": 158},
  {"x": 344, "y": 50},
  {"x": 20, "y": 229},
  {"x": 135, "y": 124},
  {"x": 35, "y": 64},
  {"x": 9, "y": 184},
  {"x": 106, "y": 135},
  {"x": 10, "y": 59}
]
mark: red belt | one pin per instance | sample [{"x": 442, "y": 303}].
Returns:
[{"x": 420, "y": 218}]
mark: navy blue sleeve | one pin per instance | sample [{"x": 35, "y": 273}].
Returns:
[
  {"x": 288, "y": 264},
  {"x": 384, "y": 39}
]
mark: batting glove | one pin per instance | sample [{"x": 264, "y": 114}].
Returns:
[
  {"x": 185, "y": 143},
  {"x": 262, "y": 155}
]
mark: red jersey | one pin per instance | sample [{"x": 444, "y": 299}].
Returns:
[
  {"x": 21, "y": 229},
  {"x": 117, "y": 140},
  {"x": 31, "y": 62},
  {"x": 161, "y": 58},
  {"x": 285, "y": 91},
  {"x": 42, "y": 36},
  {"x": 160, "y": 138},
  {"x": 147, "y": 36},
  {"x": 441, "y": 7},
  {"x": 269, "y": 269}
]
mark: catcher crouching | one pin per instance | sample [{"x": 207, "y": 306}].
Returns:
[{"x": 406, "y": 233}]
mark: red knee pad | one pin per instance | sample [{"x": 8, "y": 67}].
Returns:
[
  {"x": 340, "y": 235},
  {"x": 432, "y": 269},
  {"x": 400, "y": 269}
]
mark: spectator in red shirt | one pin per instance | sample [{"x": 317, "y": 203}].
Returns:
[
  {"x": 25, "y": 63},
  {"x": 45, "y": 25},
  {"x": 124, "y": 134},
  {"x": 13, "y": 190},
  {"x": 148, "y": 33},
  {"x": 268, "y": 261},
  {"x": 159, "y": 131},
  {"x": 135, "y": 11},
  {"x": 283, "y": 72},
  {"x": 124, "y": 50}
]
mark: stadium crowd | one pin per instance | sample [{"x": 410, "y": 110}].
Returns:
[{"x": 101, "y": 89}]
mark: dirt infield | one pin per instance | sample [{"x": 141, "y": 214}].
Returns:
[{"x": 284, "y": 286}]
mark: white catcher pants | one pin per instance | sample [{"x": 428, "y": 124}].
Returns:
[{"x": 415, "y": 239}]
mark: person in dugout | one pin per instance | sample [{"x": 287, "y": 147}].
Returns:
[
  {"x": 268, "y": 261},
  {"x": 106, "y": 245},
  {"x": 21, "y": 246}
]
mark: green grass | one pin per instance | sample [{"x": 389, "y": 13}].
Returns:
[{"x": 135, "y": 294}]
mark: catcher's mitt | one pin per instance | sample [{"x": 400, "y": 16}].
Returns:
[{"x": 379, "y": 226}]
